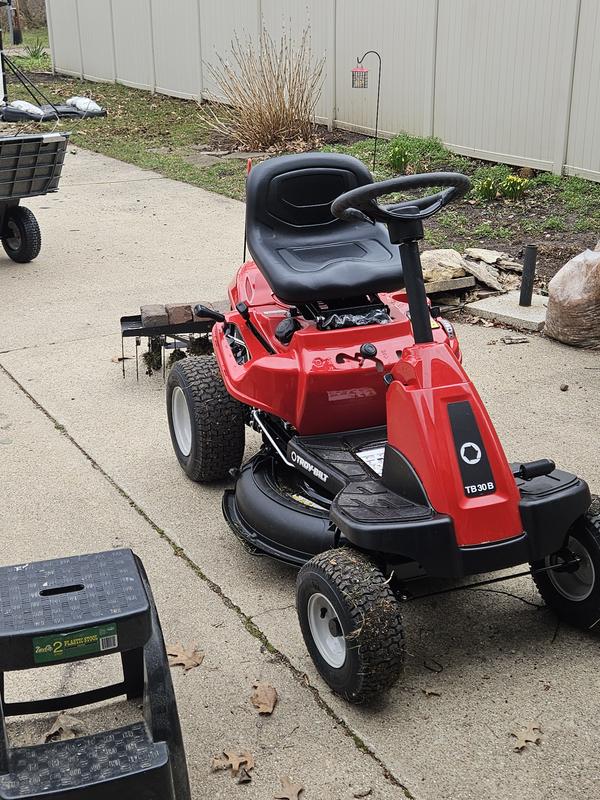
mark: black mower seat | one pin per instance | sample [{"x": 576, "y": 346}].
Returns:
[{"x": 304, "y": 252}]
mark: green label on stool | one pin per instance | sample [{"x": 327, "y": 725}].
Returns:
[{"x": 76, "y": 644}]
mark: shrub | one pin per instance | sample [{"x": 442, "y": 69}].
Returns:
[
  {"x": 36, "y": 50},
  {"x": 421, "y": 154},
  {"x": 514, "y": 187},
  {"x": 497, "y": 181},
  {"x": 398, "y": 157},
  {"x": 487, "y": 189},
  {"x": 271, "y": 90}
]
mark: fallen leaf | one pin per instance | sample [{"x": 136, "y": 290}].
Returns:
[
  {"x": 289, "y": 790},
  {"x": 564, "y": 387},
  {"x": 264, "y": 697},
  {"x": 188, "y": 658},
  {"x": 64, "y": 727},
  {"x": 244, "y": 776},
  {"x": 529, "y": 735},
  {"x": 362, "y": 793},
  {"x": 234, "y": 760}
]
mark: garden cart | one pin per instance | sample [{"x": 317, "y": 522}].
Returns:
[{"x": 30, "y": 165}]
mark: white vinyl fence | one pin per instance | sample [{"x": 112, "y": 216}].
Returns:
[{"x": 507, "y": 80}]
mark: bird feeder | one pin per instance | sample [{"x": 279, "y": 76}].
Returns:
[{"x": 360, "y": 77}]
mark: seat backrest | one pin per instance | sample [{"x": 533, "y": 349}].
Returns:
[{"x": 292, "y": 192}]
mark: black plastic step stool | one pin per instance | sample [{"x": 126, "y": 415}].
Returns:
[{"x": 69, "y": 609}]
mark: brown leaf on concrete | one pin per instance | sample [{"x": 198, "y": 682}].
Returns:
[
  {"x": 529, "y": 735},
  {"x": 244, "y": 776},
  {"x": 289, "y": 790},
  {"x": 64, "y": 727},
  {"x": 264, "y": 697},
  {"x": 180, "y": 656},
  {"x": 363, "y": 792},
  {"x": 236, "y": 760}
]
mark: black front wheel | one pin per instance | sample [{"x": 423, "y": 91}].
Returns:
[
  {"x": 21, "y": 236},
  {"x": 572, "y": 589},
  {"x": 351, "y": 623}
]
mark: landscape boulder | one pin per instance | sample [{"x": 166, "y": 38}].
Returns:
[{"x": 573, "y": 315}]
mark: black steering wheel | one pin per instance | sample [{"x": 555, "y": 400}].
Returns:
[{"x": 360, "y": 204}]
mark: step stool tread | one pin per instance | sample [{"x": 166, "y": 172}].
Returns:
[
  {"x": 100, "y": 758},
  {"x": 103, "y": 587},
  {"x": 68, "y": 609}
]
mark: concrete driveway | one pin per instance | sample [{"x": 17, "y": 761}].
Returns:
[{"x": 86, "y": 464}]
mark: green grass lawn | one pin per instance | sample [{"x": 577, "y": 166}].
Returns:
[
  {"x": 34, "y": 59},
  {"x": 152, "y": 131},
  {"x": 161, "y": 133}
]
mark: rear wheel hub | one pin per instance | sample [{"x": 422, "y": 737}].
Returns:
[{"x": 575, "y": 582}]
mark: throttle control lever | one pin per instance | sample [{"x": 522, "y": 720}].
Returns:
[{"x": 367, "y": 352}]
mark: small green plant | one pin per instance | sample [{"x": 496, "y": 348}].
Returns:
[
  {"x": 487, "y": 189},
  {"x": 454, "y": 221},
  {"x": 533, "y": 227},
  {"x": 37, "y": 50},
  {"x": 514, "y": 187},
  {"x": 555, "y": 224},
  {"x": 398, "y": 157},
  {"x": 484, "y": 231}
]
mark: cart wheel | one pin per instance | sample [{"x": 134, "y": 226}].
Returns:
[
  {"x": 21, "y": 237},
  {"x": 351, "y": 623},
  {"x": 205, "y": 422},
  {"x": 573, "y": 593}
]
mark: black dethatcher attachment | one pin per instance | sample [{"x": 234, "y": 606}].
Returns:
[{"x": 188, "y": 337}]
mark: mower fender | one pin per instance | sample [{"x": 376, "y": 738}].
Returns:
[{"x": 438, "y": 422}]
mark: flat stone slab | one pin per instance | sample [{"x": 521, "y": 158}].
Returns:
[
  {"x": 505, "y": 308},
  {"x": 467, "y": 282},
  {"x": 241, "y": 155},
  {"x": 201, "y": 159}
]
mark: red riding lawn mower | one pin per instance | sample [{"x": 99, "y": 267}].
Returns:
[{"x": 379, "y": 463}]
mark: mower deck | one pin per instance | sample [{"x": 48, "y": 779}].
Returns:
[{"x": 345, "y": 497}]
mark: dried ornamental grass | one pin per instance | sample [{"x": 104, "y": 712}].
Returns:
[{"x": 270, "y": 93}]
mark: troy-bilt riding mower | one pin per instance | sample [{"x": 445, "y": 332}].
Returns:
[{"x": 379, "y": 462}]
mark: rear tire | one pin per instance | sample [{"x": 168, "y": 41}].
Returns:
[
  {"x": 574, "y": 595},
  {"x": 351, "y": 623},
  {"x": 205, "y": 422},
  {"x": 21, "y": 235}
]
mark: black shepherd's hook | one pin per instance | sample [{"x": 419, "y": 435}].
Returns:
[{"x": 359, "y": 61}]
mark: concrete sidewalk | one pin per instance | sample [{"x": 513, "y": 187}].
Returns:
[{"x": 86, "y": 463}]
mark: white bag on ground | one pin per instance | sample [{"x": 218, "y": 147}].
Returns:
[
  {"x": 573, "y": 315},
  {"x": 27, "y": 108},
  {"x": 84, "y": 104}
]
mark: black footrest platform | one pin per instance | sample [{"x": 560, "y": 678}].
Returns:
[
  {"x": 71, "y": 608},
  {"x": 371, "y": 501},
  {"x": 124, "y": 762}
]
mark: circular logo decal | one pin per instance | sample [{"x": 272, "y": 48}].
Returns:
[{"x": 470, "y": 453}]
